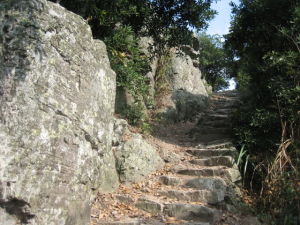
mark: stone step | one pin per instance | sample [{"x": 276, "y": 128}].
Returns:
[
  {"x": 205, "y": 196},
  {"x": 225, "y": 111},
  {"x": 216, "y": 124},
  {"x": 225, "y": 100},
  {"x": 191, "y": 212},
  {"x": 213, "y": 130},
  {"x": 206, "y": 138},
  {"x": 221, "y": 111},
  {"x": 232, "y": 174},
  {"x": 202, "y": 172},
  {"x": 185, "y": 211},
  {"x": 171, "y": 180},
  {"x": 215, "y": 116},
  {"x": 214, "y": 161},
  {"x": 220, "y": 102},
  {"x": 126, "y": 222},
  {"x": 211, "y": 152},
  {"x": 151, "y": 206},
  {"x": 227, "y": 93},
  {"x": 223, "y": 105},
  {"x": 138, "y": 221},
  {"x": 211, "y": 189},
  {"x": 203, "y": 183},
  {"x": 215, "y": 184},
  {"x": 216, "y": 144}
]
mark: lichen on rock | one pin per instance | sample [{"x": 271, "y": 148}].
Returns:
[
  {"x": 135, "y": 158},
  {"x": 57, "y": 94}
]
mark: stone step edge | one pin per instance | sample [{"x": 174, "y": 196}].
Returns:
[{"x": 169, "y": 209}]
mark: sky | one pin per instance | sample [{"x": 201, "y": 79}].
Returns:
[{"x": 220, "y": 24}]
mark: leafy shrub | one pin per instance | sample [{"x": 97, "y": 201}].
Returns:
[
  {"x": 134, "y": 114},
  {"x": 264, "y": 44},
  {"x": 213, "y": 61},
  {"x": 128, "y": 62}
]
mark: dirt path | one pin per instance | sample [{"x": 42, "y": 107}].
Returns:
[{"x": 196, "y": 185}]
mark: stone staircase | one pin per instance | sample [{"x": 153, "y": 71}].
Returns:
[{"x": 193, "y": 190}]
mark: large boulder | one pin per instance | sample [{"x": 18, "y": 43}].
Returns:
[
  {"x": 135, "y": 158},
  {"x": 57, "y": 94},
  {"x": 177, "y": 75},
  {"x": 188, "y": 89}
]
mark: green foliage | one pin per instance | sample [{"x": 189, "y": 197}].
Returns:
[
  {"x": 103, "y": 15},
  {"x": 264, "y": 46},
  {"x": 242, "y": 161},
  {"x": 168, "y": 22},
  {"x": 128, "y": 62},
  {"x": 130, "y": 66},
  {"x": 134, "y": 114},
  {"x": 213, "y": 61},
  {"x": 162, "y": 76},
  {"x": 171, "y": 21},
  {"x": 120, "y": 23}
]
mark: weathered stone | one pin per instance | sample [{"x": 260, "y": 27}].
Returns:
[
  {"x": 188, "y": 91},
  {"x": 205, "y": 172},
  {"x": 216, "y": 185},
  {"x": 211, "y": 152},
  {"x": 214, "y": 161},
  {"x": 123, "y": 99},
  {"x": 125, "y": 199},
  {"x": 233, "y": 174},
  {"x": 216, "y": 124},
  {"x": 149, "y": 206},
  {"x": 57, "y": 95},
  {"x": 193, "y": 196},
  {"x": 135, "y": 158},
  {"x": 172, "y": 181},
  {"x": 211, "y": 183},
  {"x": 191, "y": 212},
  {"x": 129, "y": 222},
  {"x": 212, "y": 130},
  {"x": 120, "y": 132},
  {"x": 168, "y": 156},
  {"x": 146, "y": 45},
  {"x": 217, "y": 144}
]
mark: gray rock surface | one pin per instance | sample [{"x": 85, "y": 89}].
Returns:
[
  {"x": 188, "y": 92},
  {"x": 57, "y": 95},
  {"x": 135, "y": 158}
]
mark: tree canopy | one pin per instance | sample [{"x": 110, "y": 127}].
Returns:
[
  {"x": 213, "y": 61},
  {"x": 167, "y": 21},
  {"x": 264, "y": 47}
]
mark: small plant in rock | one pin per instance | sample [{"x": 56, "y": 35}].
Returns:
[
  {"x": 135, "y": 114},
  {"x": 162, "y": 76}
]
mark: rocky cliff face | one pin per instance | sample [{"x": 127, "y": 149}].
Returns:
[
  {"x": 179, "y": 73},
  {"x": 189, "y": 90},
  {"x": 57, "y": 95}
]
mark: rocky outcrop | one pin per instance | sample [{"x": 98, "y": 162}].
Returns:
[
  {"x": 179, "y": 71},
  {"x": 57, "y": 95},
  {"x": 202, "y": 187},
  {"x": 188, "y": 89},
  {"x": 177, "y": 90},
  {"x": 135, "y": 158}
]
